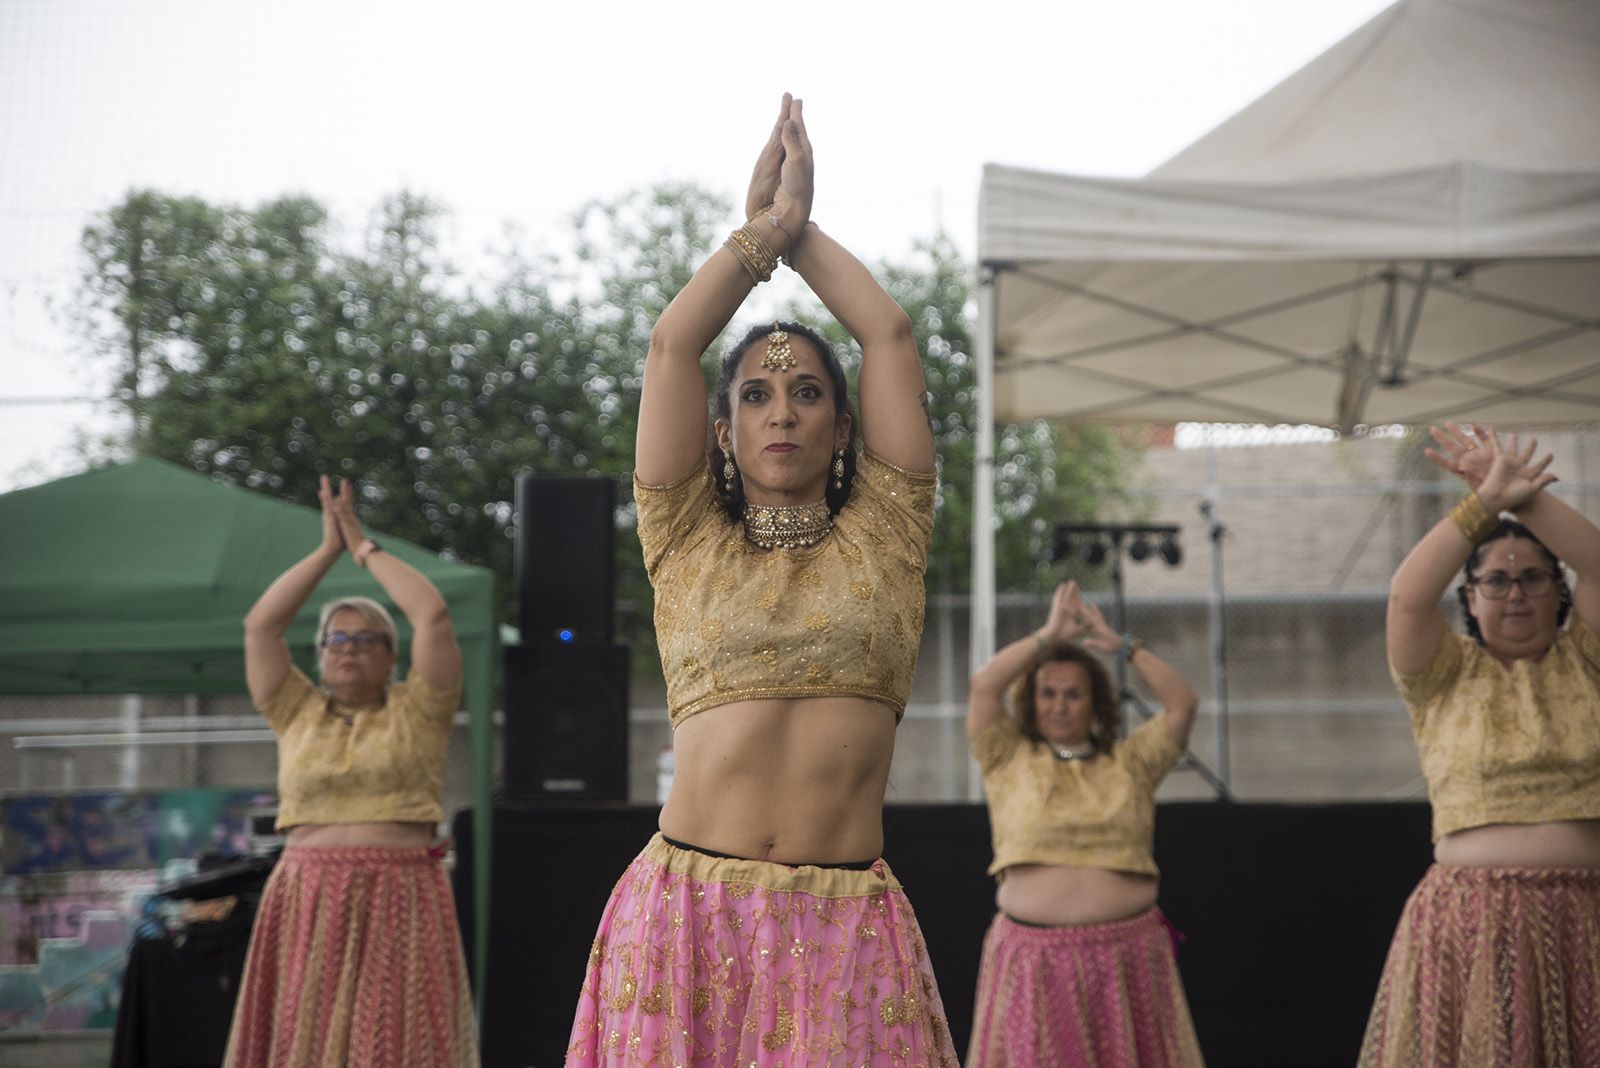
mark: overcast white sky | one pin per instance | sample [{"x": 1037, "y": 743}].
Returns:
[{"x": 521, "y": 112}]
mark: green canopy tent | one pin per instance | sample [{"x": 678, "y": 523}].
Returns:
[{"x": 135, "y": 579}]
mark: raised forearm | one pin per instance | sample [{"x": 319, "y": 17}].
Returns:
[
  {"x": 1171, "y": 690},
  {"x": 894, "y": 421},
  {"x": 276, "y": 608},
  {"x": 1428, "y": 569},
  {"x": 701, "y": 310},
  {"x": 848, "y": 290},
  {"x": 418, "y": 599},
  {"x": 1565, "y": 531},
  {"x": 1005, "y": 666}
]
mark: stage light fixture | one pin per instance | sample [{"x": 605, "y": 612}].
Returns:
[
  {"x": 1170, "y": 550},
  {"x": 1063, "y": 546},
  {"x": 1139, "y": 550},
  {"x": 1094, "y": 553}
]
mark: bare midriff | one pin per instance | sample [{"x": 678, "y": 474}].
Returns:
[
  {"x": 796, "y": 781},
  {"x": 332, "y": 835},
  {"x": 1059, "y": 895},
  {"x": 1557, "y": 844}
]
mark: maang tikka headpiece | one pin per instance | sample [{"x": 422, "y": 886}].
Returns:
[{"x": 779, "y": 356}]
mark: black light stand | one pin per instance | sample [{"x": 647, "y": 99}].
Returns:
[{"x": 1140, "y": 541}]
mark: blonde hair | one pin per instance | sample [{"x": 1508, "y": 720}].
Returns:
[{"x": 373, "y": 612}]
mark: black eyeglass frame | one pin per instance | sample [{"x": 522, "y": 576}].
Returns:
[{"x": 1534, "y": 583}]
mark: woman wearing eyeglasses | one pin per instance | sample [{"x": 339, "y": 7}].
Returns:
[
  {"x": 1496, "y": 961},
  {"x": 356, "y": 957}
]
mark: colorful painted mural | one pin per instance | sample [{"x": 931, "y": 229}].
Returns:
[{"x": 79, "y": 877}]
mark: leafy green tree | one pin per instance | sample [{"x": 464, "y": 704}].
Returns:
[{"x": 251, "y": 348}]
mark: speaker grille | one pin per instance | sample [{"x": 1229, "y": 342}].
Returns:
[{"x": 566, "y": 726}]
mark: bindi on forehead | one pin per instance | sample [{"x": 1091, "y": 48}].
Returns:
[{"x": 1509, "y": 550}]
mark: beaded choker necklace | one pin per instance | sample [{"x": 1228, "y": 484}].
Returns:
[
  {"x": 787, "y": 526},
  {"x": 1081, "y": 751}
]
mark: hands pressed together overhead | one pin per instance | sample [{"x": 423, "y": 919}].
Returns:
[
  {"x": 782, "y": 179},
  {"x": 341, "y": 530},
  {"x": 1072, "y": 619}
]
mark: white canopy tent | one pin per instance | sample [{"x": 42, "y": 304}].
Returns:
[{"x": 1405, "y": 230}]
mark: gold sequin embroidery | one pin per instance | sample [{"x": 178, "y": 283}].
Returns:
[
  {"x": 902, "y": 1010},
  {"x": 712, "y": 609},
  {"x": 780, "y": 1035},
  {"x": 624, "y": 996},
  {"x": 656, "y": 1001}
]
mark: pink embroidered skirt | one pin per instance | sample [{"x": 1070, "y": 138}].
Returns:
[
  {"x": 355, "y": 960},
  {"x": 1102, "y": 995},
  {"x": 704, "y": 961},
  {"x": 1490, "y": 968}
]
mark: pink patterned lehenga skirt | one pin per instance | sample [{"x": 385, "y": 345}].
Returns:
[
  {"x": 355, "y": 961},
  {"x": 1492, "y": 968},
  {"x": 710, "y": 961},
  {"x": 1101, "y": 995}
]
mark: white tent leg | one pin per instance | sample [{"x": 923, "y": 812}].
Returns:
[{"x": 983, "y": 598}]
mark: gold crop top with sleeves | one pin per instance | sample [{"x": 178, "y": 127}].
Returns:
[
  {"x": 841, "y": 618},
  {"x": 1518, "y": 744},
  {"x": 360, "y": 765},
  {"x": 1098, "y": 813}
]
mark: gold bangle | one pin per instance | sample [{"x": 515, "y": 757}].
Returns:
[
  {"x": 1045, "y": 648},
  {"x": 1473, "y": 519},
  {"x": 752, "y": 251},
  {"x": 744, "y": 259}
]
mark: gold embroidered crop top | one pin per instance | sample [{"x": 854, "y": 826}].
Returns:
[
  {"x": 1518, "y": 744},
  {"x": 841, "y": 618},
  {"x": 1098, "y": 813},
  {"x": 338, "y": 764}
]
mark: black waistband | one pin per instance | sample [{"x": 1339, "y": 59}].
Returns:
[{"x": 853, "y": 865}]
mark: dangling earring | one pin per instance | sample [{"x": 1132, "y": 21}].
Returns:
[
  {"x": 728, "y": 473},
  {"x": 838, "y": 470}
]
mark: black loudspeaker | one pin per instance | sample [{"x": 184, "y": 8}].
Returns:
[
  {"x": 566, "y": 581},
  {"x": 566, "y": 726}
]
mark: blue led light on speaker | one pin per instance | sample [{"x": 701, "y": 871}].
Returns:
[{"x": 565, "y": 634}]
